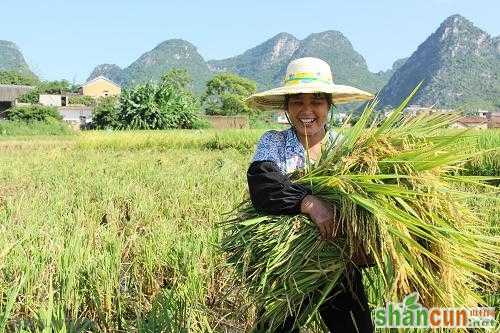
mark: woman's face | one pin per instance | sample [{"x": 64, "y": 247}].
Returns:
[{"x": 308, "y": 113}]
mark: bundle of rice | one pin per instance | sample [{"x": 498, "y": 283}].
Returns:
[{"x": 395, "y": 184}]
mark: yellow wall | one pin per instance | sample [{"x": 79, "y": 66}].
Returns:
[{"x": 100, "y": 88}]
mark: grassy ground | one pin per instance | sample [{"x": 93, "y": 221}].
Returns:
[
  {"x": 49, "y": 128},
  {"x": 115, "y": 231}
]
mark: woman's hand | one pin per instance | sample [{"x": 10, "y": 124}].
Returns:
[{"x": 322, "y": 214}]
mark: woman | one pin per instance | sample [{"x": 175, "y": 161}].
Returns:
[{"x": 307, "y": 96}]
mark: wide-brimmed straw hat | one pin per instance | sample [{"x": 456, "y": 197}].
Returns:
[{"x": 307, "y": 75}]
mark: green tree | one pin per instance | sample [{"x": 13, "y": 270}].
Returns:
[
  {"x": 106, "y": 113},
  {"x": 178, "y": 78},
  {"x": 225, "y": 94},
  {"x": 46, "y": 87},
  {"x": 54, "y": 87},
  {"x": 17, "y": 78}
]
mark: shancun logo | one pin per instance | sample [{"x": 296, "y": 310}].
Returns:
[{"x": 410, "y": 313}]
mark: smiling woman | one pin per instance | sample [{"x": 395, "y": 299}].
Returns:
[
  {"x": 307, "y": 97},
  {"x": 308, "y": 114}
]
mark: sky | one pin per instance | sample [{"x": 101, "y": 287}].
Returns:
[{"x": 67, "y": 39}]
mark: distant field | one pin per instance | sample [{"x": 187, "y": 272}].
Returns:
[{"x": 114, "y": 231}]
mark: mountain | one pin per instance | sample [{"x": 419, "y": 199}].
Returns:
[
  {"x": 173, "y": 53},
  {"x": 398, "y": 63},
  {"x": 262, "y": 63},
  {"x": 110, "y": 71},
  {"x": 459, "y": 65},
  {"x": 11, "y": 58},
  {"x": 387, "y": 74},
  {"x": 267, "y": 62},
  {"x": 496, "y": 40},
  {"x": 348, "y": 66}
]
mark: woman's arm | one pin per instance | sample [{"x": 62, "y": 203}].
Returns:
[{"x": 272, "y": 192}]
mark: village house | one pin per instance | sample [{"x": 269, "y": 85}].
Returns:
[
  {"x": 80, "y": 115},
  {"x": 76, "y": 115},
  {"x": 493, "y": 118},
  {"x": 416, "y": 110},
  {"x": 53, "y": 100},
  {"x": 484, "y": 119},
  {"x": 471, "y": 122},
  {"x": 9, "y": 94},
  {"x": 488, "y": 119},
  {"x": 483, "y": 113},
  {"x": 100, "y": 87}
]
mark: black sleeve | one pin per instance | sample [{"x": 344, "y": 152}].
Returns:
[{"x": 272, "y": 192}]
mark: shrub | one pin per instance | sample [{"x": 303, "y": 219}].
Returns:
[
  {"x": 201, "y": 123},
  {"x": 180, "y": 107},
  {"x": 33, "y": 113},
  {"x": 167, "y": 105},
  {"x": 31, "y": 96},
  {"x": 161, "y": 106}
]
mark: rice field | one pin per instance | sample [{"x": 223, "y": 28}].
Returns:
[{"x": 114, "y": 231}]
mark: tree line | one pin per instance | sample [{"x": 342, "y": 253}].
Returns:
[{"x": 167, "y": 104}]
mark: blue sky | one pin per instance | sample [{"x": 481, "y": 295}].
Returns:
[{"x": 67, "y": 39}]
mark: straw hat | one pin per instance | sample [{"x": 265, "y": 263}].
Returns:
[{"x": 307, "y": 75}]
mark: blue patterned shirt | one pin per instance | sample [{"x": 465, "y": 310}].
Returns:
[{"x": 284, "y": 148}]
